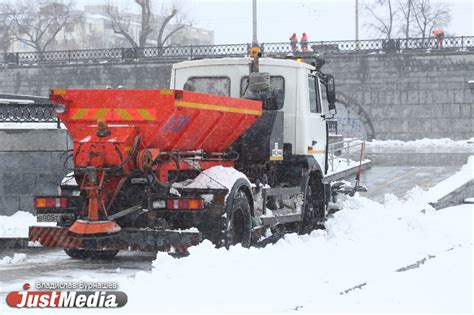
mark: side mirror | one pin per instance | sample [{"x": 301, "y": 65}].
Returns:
[
  {"x": 273, "y": 99},
  {"x": 331, "y": 91}
]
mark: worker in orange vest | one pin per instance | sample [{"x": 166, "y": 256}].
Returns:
[
  {"x": 439, "y": 35},
  {"x": 304, "y": 43},
  {"x": 293, "y": 42}
]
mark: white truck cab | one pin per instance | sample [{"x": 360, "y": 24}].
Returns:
[{"x": 304, "y": 107}]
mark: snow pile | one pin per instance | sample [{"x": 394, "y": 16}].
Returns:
[
  {"x": 443, "y": 143},
  {"x": 462, "y": 177},
  {"x": 216, "y": 177},
  {"x": 17, "y": 258},
  {"x": 371, "y": 257},
  {"x": 426, "y": 142},
  {"x": 17, "y": 224}
]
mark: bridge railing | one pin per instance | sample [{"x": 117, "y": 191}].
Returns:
[
  {"x": 27, "y": 113},
  {"x": 171, "y": 53}
]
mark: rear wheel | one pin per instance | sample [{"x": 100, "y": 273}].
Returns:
[
  {"x": 93, "y": 254},
  {"x": 238, "y": 223}
]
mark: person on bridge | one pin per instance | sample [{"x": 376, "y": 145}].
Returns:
[
  {"x": 439, "y": 35},
  {"x": 293, "y": 42},
  {"x": 304, "y": 42}
]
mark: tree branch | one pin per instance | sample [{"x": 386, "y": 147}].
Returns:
[{"x": 172, "y": 33}]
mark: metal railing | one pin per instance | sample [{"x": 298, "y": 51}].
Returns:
[
  {"x": 175, "y": 53},
  {"x": 28, "y": 113},
  {"x": 345, "y": 152}
]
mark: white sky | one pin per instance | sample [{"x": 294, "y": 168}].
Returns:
[{"x": 231, "y": 20}]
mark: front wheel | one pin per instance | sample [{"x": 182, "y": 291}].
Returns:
[
  {"x": 315, "y": 206},
  {"x": 76, "y": 253}
]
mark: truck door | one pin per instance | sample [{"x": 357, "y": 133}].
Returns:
[{"x": 318, "y": 123}]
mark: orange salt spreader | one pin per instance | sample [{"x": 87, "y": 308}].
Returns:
[{"x": 130, "y": 146}]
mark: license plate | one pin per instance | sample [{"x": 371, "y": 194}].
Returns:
[{"x": 51, "y": 217}]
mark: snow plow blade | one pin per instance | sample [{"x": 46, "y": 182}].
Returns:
[{"x": 126, "y": 239}]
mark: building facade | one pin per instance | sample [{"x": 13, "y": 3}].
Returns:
[{"x": 91, "y": 28}]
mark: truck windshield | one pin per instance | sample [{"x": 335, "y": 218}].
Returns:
[
  {"x": 276, "y": 82},
  {"x": 208, "y": 85}
]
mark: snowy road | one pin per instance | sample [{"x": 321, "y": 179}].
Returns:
[
  {"x": 349, "y": 236},
  {"x": 42, "y": 262},
  {"x": 398, "y": 172}
]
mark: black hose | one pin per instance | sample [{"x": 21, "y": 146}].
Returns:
[
  {"x": 178, "y": 170},
  {"x": 68, "y": 157},
  {"x": 130, "y": 155}
]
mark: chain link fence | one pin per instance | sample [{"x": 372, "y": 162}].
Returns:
[{"x": 177, "y": 53}]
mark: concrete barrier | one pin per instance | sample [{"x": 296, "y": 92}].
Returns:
[
  {"x": 455, "y": 197},
  {"x": 31, "y": 163}
]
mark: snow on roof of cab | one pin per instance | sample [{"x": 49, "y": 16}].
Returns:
[{"x": 241, "y": 61}]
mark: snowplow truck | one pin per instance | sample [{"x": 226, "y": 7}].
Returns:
[{"x": 236, "y": 150}]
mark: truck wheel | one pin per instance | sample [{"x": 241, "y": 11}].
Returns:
[
  {"x": 93, "y": 254},
  {"x": 315, "y": 205},
  {"x": 238, "y": 223}
]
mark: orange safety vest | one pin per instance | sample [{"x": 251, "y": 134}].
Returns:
[{"x": 438, "y": 33}]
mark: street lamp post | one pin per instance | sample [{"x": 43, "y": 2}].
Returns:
[
  {"x": 254, "y": 23},
  {"x": 357, "y": 21}
]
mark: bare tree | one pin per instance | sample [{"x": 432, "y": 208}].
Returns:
[
  {"x": 122, "y": 22},
  {"x": 162, "y": 39},
  {"x": 429, "y": 15},
  {"x": 407, "y": 17},
  {"x": 383, "y": 17},
  {"x": 37, "y": 26},
  {"x": 172, "y": 22},
  {"x": 6, "y": 24}
]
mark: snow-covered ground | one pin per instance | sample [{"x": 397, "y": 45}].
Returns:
[
  {"x": 367, "y": 245},
  {"x": 393, "y": 257},
  {"x": 396, "y": 256},
  {"x": 399, "y": 256},
  {"x": 17, "y": 224}
]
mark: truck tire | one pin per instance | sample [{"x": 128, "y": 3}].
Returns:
[
  {"x": 238, "y": 218},
  {"x": 93, "y": 254},
  {"x": 315, "y": 205}
]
